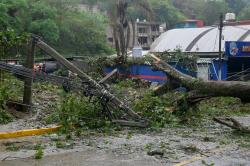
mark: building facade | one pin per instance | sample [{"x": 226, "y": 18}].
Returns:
[{"x": 144, "y": 34}]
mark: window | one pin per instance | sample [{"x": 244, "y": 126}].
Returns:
[
  {"x": 143, "y": 40},
  {"x": 142, "y": 30}
]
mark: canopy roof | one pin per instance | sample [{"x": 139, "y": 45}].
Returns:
[{"x": 199, "y": 40}]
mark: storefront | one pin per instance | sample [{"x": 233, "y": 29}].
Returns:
[
  {"x": 236, "y": 66},
  {"x": 238, "y": 54}
]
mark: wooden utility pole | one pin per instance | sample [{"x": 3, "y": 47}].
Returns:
[
  {"x": 220, "y": 52},
  {"x": 27, "y": 95},
  {"x": 100, "y": 91}
]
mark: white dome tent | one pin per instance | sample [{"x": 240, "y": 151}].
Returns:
[{"x": 199, "y": 40}]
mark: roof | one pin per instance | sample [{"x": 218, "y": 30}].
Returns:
[
  {"x": 199, "y": 40},
  {"x": 191, "y": 20},
  {"x": 235, "y": 23}
]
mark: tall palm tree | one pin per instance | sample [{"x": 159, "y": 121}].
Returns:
[{"x": 121, "y": 21}]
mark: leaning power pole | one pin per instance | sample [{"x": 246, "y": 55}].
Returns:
[
  {"x": 220, "y": 52},
  {"x": 27, "y": 95}
]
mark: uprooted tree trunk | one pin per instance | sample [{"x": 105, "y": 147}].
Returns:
[
  {"x": 123, "y": 24},
  {"x": 212, "y": 88}
]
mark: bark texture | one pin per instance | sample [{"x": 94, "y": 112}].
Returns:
[{"x": 238, "y": 89}]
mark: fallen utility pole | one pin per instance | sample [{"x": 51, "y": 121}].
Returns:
[
  {"x": 89, "y": 86},
  {"x": 100, "y": 91},
  {"x": 108, "y": 76}
]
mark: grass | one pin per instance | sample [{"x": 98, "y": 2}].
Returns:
[
  {"x": 39, "y": 151},
  {"x": 148, "y": 146},
  {"x": 13, "y": 147},
  {"x": 5, "y": 117},
  {"x": 39, "y": 154},
  {"x": 63, "y": 145},
  {"x": 129, "y": 135}
]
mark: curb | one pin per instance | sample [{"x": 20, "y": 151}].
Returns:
[{"x": 28, "y": 132}]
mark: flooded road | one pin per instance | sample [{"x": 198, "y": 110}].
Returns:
[{"x": 211, "y": 144}]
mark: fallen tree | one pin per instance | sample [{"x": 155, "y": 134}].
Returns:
[{"x": 212, "y": 88}]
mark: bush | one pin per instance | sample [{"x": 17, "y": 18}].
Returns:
[
  {"x": 155, "y": 109},
  {"x": 5, "y": 117},
  {"x": 78, "y": 112},
  {"x": 9, "y": 89}
]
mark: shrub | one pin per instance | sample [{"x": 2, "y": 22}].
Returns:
[
  {"x": 155, "y": 109},
  {"x": 5, "y": 117},
  {"x": 77, "y": 111}
]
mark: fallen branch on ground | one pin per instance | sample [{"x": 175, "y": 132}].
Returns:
[{"x": 232, "y": 123}]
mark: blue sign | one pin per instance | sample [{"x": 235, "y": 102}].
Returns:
[{"x": 237, "y": 49}]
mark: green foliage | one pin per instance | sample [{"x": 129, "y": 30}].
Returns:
[
  {"x": 155, "y": 109},
  {"x": 41, "y": 11},
  {"x": 61, "y": 145},
  {"x": 220, "y": 106},
  {"x": 208, "y": 11},
  {"x": 148, "y": 146},
  {"x": 125, "y": 84},
  {"x": 46, "y": 28},
  {"x": 78, "y": 112},
  {"x": 211, "y": 11},
  {"x": 9, "y": 89},
  {"x": 190, "y": 8},
  {"x": 85, "y": 33},
  {"x": 3, "y": 16},
  {"x": 13, "y": 13},
  {"x": 207, "y": 109},
  {"x": 12, "y": 147},
  {"x": 245, "y": 13},
  {"x": 185, "y": 60},
  {"x": 174, "y": 109},
  {"x": 39, "y": 153},
  {"x": 166, "y": 12},
  {"x": 60, "y": 23},
  {"x": 5, "y": 117},
  {"x": 9, "y": 40}
]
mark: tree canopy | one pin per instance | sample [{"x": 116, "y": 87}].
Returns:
[
  {"x": 63, "y": 24},
  {"x": 58, "y": 22},
  {"x": 209, "y": 11}
]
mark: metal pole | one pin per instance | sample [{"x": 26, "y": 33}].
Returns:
[
  {"x": 27, "y": 95},
  {"x": 220, "y": 52}
]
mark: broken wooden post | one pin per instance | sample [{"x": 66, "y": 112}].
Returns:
[
  {"x": 108, "y": 76},
  {"x": 27, "y": 94},
  {"x": 232, "y": 123}
]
